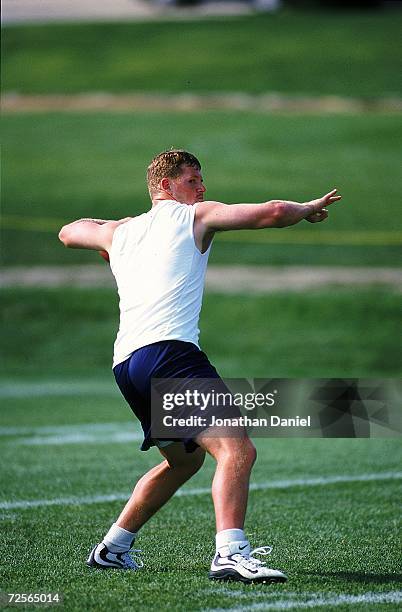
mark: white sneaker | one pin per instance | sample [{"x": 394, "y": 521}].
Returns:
[
  {"x": 102, "y": 558},
  {"x": 235, "y": 562}
]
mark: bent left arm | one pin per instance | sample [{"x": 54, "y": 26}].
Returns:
[{"x": 95, "y": 234}]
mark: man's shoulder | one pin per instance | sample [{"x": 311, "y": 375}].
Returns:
[
  {"x": 207, "y": 205},
  {"x": 207, "y": 208},
  {"x": 123, "y": 227}
]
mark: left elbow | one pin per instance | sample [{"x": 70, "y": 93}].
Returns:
[{"x": 64, "y": 236}]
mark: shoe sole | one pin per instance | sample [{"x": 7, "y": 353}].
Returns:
[
  {"x": 233, "y": 576},
  {"x": 106, "y": 567}
]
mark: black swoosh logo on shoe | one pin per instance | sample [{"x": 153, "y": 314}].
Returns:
[
  {"x": 243, "y": 547},
  {"x": 228, "y": 562},
  {"x": 103, "y": 554}
]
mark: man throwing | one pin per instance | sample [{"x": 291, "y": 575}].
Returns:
[{"x": 159, "y": 260}]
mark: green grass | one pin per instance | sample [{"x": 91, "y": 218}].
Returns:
[
  {"x": 333, "y": 539},
  {"x": 58, "y": 167},
  {"x": 300, "y": 53},
  {"x": 335, "y": 333}
]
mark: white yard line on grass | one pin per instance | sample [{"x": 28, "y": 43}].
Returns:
[
  {"x": 316, "y": 600},
  {"x": 278, "y": 484},
  {"x": 10, "y": 389},
  {"x": 60, "y": 430},
  {"x": 235, "y": 593},
  {"x": 85, "y": 433},
  {"x": 119, "y": 437}
]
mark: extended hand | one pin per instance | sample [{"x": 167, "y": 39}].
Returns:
[{"x": 320, "y": 212}]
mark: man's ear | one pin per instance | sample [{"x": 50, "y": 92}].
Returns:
[{"x": 165, "y": 184}]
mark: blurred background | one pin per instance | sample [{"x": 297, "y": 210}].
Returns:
[{"x": 278, "y": 99}]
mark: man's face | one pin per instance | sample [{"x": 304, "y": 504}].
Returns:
[{"x": 188, "y": 188}]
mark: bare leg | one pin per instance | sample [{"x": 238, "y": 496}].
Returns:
[
  {"x": 158, "y": 485},
  {"x": 235, "y": 458}
]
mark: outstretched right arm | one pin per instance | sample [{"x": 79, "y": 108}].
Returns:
[{"x": 215, "y": 216}]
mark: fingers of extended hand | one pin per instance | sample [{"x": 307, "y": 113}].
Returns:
[
  {"x": 330, "y": 199},
  {"x": 330, "y": 194}
]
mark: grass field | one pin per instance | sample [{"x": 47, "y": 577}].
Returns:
[
  {"x": 351, "y": 54},
  {"x": 69, "y": 333},
  {"x": 68, "y": 453},
  {"x": 338, "y": 541},
  {"x": 59, "y": 167}
]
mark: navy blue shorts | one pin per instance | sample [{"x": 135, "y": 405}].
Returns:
[{"x": 165, "y": 359}]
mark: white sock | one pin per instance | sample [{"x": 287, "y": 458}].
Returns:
[
  {"x": 229, "y": 535},
  {"x": 118, "y": 539}
]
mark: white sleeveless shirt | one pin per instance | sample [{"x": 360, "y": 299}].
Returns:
[{"x": 160, "y": 276}]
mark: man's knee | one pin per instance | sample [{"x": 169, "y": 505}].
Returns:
[
  {"x": 195, "y": 460},
  {"x": 253, "y": 453},
  {"x": 179, "y": 459},
  {"x": 239, "y": 451},
  {"x": 244, "y": 456},
  {"x": 249, "y": 452}
]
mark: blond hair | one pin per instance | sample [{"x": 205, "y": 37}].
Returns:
[{"x": 168, "y": 164}]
